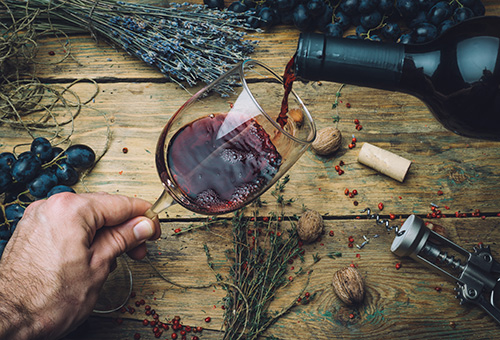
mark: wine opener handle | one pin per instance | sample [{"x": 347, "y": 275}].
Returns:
[{"x": 477, "y": 274}]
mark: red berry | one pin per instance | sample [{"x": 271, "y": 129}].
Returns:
[
  {"x": 381, "y": 206},
  {"x": 392, "y": 216},
  {"x": 331, "y": 233},
  {"x": 178, "y": 230},
  {"x": 356, "y": 121},
  {"x": 145, "y": 322},
  {"x": 350, "y": 245},
  {"x": 398, "y": 265},
  {"x": 174, "y": 336},
  {"x": 137, "y": 336},
  {"x": 438, "y": 289},
  {"x": 359, "y": 127},
  {"x": 351, "y": 316},
  {"x": 208, "y": 319},
  {"x": 307, "y": 294},
  {"x": 354, "y": 140},
  {"x": 355, "y": 192},
  {"x": 346, "y": 191},
  {"x": 351, "y": 239}
]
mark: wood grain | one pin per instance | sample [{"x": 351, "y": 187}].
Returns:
[{"x": 138, "y": 101}]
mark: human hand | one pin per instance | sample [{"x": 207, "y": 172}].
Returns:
[{"x": 59, "y": 257}]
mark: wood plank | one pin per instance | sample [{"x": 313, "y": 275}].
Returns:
[
  {"x": 467, "y": 171},
  {"x": 399, "y": 303}
]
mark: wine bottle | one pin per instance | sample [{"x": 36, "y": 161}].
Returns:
[{"x": 456, "y": 75}]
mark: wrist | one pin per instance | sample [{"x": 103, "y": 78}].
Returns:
[{"x": 16, "y": 321}]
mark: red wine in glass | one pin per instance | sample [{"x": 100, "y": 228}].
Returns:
[{"x": 219, "y": 174}]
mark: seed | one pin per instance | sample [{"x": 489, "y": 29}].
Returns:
[{"x": 355, "y": 203}]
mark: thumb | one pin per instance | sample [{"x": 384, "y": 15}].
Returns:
[{"x": 111, "y": 242}]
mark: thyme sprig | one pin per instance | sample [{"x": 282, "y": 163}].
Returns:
[{"x": 261, "y": 253}]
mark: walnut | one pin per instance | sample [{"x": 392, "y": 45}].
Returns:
[
  {"x": 328, "y": 140},
  {"x": 310, "y": 226},
  {"x": 349, "y": 286}
]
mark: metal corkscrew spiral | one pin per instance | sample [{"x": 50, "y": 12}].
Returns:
[
  {"x": 477, "y": 274},
  {"x": 385, "y": 222}
]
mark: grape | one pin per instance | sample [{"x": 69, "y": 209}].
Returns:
[
  {"x": 42, "y": 184},
  {"x": 5, "y": 180},
  {"x": 56, "y": 151},
  {"x": 237, "y": 7},
  {"x": 285, "y": 5},
  {"x": 478, "y": 8},
  {"x": 14, "y": 212},
  {"x": 343, "y": 20},
  {"x": 371, "y": 20},
  {"x": 445, "y": 25},
  {"x": 391, "y": 31},
  {"x": 367, "y": 6},
  {"x": 350, "y": 6},
  {"x": 58, "y": 189},
  {"x": 6, "y": 160},
  {"x": 80, "y": 156},
  {"x": 5, "y": 233},
  {"x": 467, "y": 3},
  {"x": 315, "y": 7},
  {"x": 361, "y": 31},
  {"x": 66, "y": 174},
  {"x": 326, "y": 18},
  {"x": 334, "y": 30},
  {"x": 42, "y": 148},
  {"x": 419, "y": 19},
  {"x": 216, "y": 4},
  {"x": 26, "y": 167},
  {"x": 426, "y": 5},
  {"x": 386, "y": 6},
  {"x": 439, "y": 13},
  {"x": 405, "y": 39},
  {"x": 462, "y": 13},
  {"x": 407, "y": 8},
  {"x": 267, "y": 17},
  {"x": 3, "y": 243},
  {"x": 424, "y": 32},
  {"x": 301, "y": 18}
]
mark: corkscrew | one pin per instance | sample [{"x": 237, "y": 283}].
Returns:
[{"x": 477, "y": 274}]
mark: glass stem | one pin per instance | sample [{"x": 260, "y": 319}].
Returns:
[{"x": 162, "y": 203}]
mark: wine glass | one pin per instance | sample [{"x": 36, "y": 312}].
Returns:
[{"x": 224, "y": 147}]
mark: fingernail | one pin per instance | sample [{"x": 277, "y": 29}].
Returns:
[{"x": 143, "y": 230}]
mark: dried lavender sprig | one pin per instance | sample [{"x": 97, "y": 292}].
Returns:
[{"x": 186, "y": 42}]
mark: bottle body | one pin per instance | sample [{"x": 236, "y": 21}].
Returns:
[{"x": 457, "y": 75}]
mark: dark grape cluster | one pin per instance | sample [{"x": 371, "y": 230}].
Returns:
[
  {"x": 39, "y": 173},
  {"x": 404, "y": 21}
]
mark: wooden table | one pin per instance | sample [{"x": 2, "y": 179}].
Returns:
[{"x": 400, "y": 303}]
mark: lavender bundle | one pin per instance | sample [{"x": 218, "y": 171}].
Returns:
[{"x": 186, "y": 42}]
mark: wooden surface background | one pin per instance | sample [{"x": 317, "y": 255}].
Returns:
[{"x": 404, "y": 303}]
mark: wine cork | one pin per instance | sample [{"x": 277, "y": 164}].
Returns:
[{"x": 384, "y": 161}]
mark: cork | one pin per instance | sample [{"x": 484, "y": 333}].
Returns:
[{"x": 384, "y": 161}]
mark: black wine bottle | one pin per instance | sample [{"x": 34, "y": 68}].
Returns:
[{"x": 456, "y": 75}]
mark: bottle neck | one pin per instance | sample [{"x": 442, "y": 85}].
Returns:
[{"x": 351, "y": 61}]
